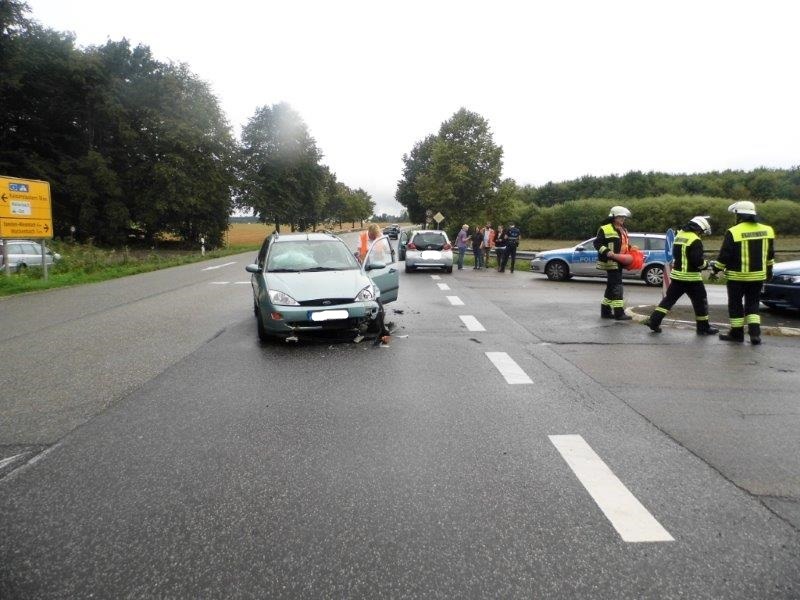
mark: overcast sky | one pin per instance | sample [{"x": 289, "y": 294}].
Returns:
[{"x": 569, "y": 87}]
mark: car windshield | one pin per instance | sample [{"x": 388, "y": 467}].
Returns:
[
  {"x": 310, "y": 255},
  {"x": 429, "y": 241}
]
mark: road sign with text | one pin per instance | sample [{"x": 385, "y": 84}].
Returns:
[{"x": 25, "y": 210}]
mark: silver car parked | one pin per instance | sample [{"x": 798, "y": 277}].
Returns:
[
  {"x": 429, "y": 248},
  {"x": 25, "y": 253}
]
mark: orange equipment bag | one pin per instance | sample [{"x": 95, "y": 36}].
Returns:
[{"x": 636, "y": 259}]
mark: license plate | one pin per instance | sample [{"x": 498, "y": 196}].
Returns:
[
  {"x": 328, "y": 315},
  {"x": 431, "y": 255}
]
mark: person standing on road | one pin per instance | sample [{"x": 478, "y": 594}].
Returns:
[
  {"x": 746, "y": 256},
  {"x": 686, "y": 277},
  {"x": 500, "y": 238},
  {"x": 612, "y": 240},
  {"x": 461, "y": 244},
  {"x": 477, "y": 247},
  {"x": 488, "y": 243},
  {"x": 373, "y": 233},
  {"x": 513, "y": 237}
]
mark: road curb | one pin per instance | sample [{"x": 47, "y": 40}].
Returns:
[{"x": 642, "y": 312}]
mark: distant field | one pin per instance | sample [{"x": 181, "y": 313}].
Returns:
[{"x": 252, "y": 234}]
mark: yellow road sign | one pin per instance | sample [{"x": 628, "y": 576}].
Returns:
[{"x": 25, "y": 209}]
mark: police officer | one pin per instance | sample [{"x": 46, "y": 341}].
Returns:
[
  {"x": 612, "y": 240},
  {"x": 747, "y": 256},
  {"x": 513, "y": 236},
  {"x": 687, "y": 264}
]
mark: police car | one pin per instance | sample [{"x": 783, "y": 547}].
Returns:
[{"x": 581, "y": 260}]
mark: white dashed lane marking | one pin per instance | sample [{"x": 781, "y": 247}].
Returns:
[
  {"x": 472, "y": 323},
  {"x": 219, "y": 266},
  {"x": 436, "y": 277},
  {"x": 509, "y": 369},
  {"x": 632, "y": 521},
  {"x": 443, "y": 286},
  {"x": 455, "y": 301}
]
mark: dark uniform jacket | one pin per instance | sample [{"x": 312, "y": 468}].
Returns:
[
  {"x": 747, "y": 252},
  {"x": 687, "y": 252}
]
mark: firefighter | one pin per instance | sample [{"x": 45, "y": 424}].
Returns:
[
  {"x": 611, "y": 241},
  {"x": 687, "y": 264},
  {"x": 746, "y": 256}
]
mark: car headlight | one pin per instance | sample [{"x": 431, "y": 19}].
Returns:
[
  {"x": 367, "y": 294},
  {"x": 281, "y": 298}
]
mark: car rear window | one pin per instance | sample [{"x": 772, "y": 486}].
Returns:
[{"x": 429, "y": 241}]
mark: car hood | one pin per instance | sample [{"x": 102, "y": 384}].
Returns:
[
  {"x": 324, "y": 284},
  {"x": 791, "y": 267}
]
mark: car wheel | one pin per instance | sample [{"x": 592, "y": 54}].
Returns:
[
  {"x": 653, "y": 275},
  {"x": 449, "y": 269},
  {"x": 263, "y": 336},
  {"x": 556, "y": 270},
  {"x": 21, "y": 267},
  {"x": 409, "y": 269}
]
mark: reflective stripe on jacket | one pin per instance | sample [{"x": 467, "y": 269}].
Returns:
[
  {"x": 609, "y": 239},
  {"x": 687, "y": 251},
  {"x": 747, "y": 251}
]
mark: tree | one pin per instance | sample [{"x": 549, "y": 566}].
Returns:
[
  {"x": 281, "y": 172},
  {"x": 464, "y": 172}
]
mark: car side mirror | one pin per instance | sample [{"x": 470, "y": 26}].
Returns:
[
  {"x": 375, "y": 265},
  {"x": 580, "y": 248},
  {"x": 254, "y": 268}
]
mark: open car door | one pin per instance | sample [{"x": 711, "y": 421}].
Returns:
[{"x": 379, "y": 265}]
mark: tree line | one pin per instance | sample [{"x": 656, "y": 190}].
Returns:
[
  {"x": 136, "y": 147},
  {"x": 457, "y": 171}
]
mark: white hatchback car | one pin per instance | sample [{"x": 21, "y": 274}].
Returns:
[
  {"x": 25, "y": 253},
  {"x": 429, "y": 248}
]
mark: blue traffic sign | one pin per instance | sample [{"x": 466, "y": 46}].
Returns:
[{"x": 668, "y": 245}]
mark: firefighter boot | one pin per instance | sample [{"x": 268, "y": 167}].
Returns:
[
  {"x": 654, "y": 321},
  {"x": 705, "y": 328},
  {"x": 605, "y": 312},
  {"x": 754, "y": 330},
  {"x": 736, "y": 334},
  {"x": 619, "y": 315}
]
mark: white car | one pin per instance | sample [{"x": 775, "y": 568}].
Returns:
[
  {"x": 25, "y": 253},
  {"x": 429, "y": 248}
]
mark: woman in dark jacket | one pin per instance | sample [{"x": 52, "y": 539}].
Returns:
[{"x": 477, "y": 247}]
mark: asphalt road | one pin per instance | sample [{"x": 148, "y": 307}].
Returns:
[{"x": 156, "y": 449}]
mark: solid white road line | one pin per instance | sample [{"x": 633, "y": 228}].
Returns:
[
  {"x": 632, "y": 521},
  {"x": 219, "y": 282},
  {"x": 472, "y": 323},
  {"x": 241, "y": 283},
  {"x": 443, "y": 286},
  {"x": 10, "y": 459},
  {"x": 455, "y": 300},
  {"x": 219, "y": 266},
  {"x": 508, "y": 368}
]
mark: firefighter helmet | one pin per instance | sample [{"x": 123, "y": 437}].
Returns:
[
  {"x": 742, "y": 207},
  {"x": 702, "y": 223},
  {"x": 619, "y": 211}
]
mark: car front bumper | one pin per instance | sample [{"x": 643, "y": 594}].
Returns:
[
  {"x": 781, "y": 296},
  {"x": 298, "y": 320}
]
